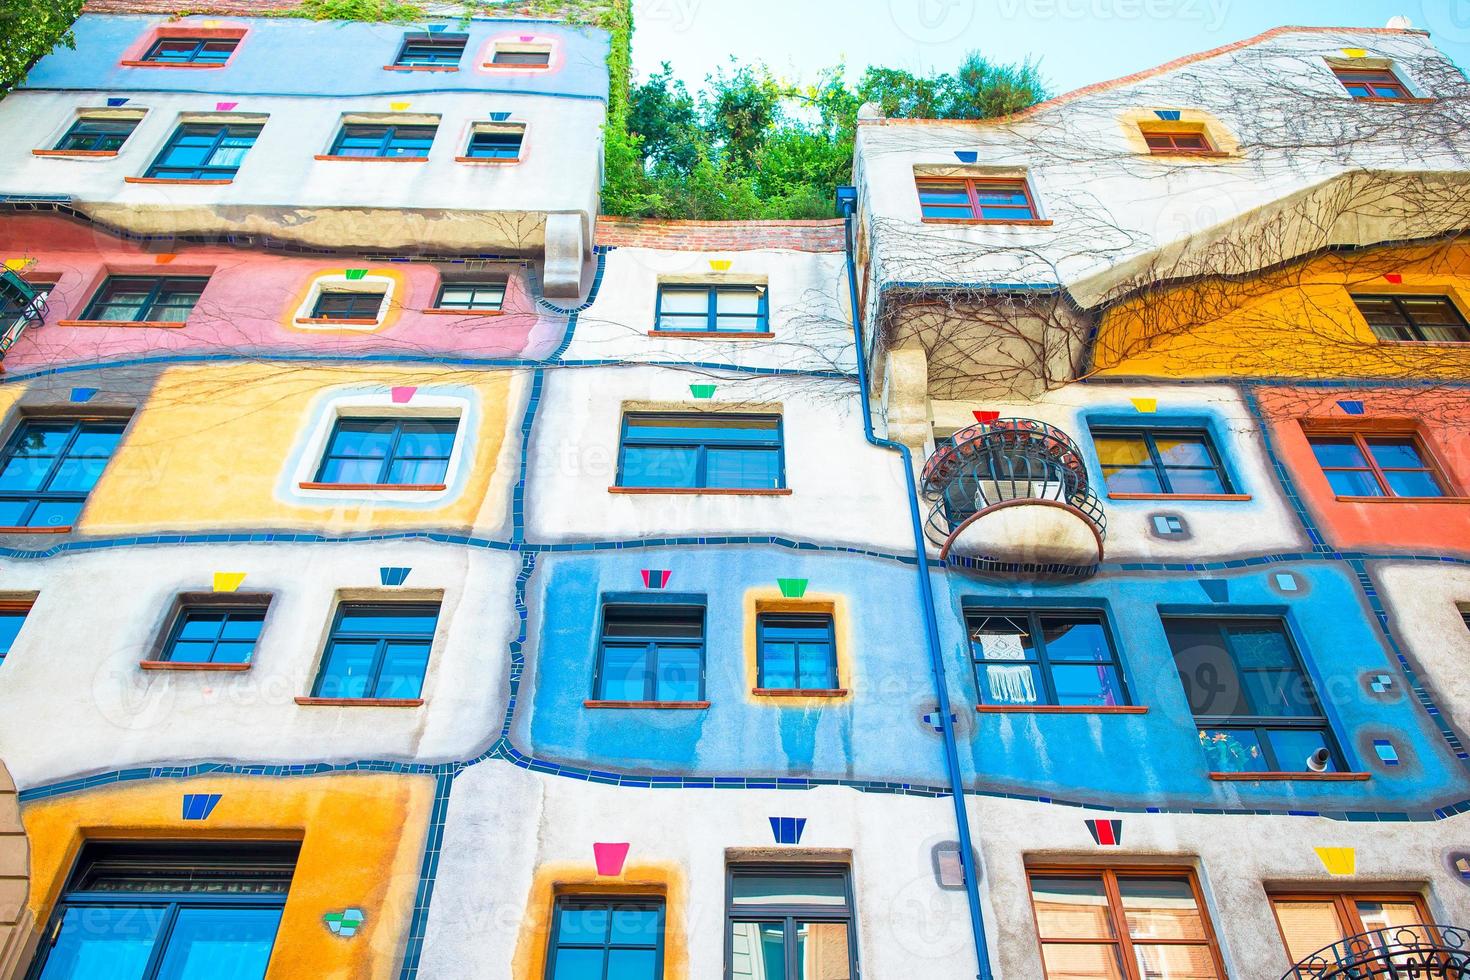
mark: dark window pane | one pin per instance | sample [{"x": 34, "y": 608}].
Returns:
[{"x": 777, "y": 888}]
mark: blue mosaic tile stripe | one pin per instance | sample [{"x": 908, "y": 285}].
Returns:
[
  {"x": 428, "y": 871},
  {"x": 518, "y": 495},
  {"x": 518, "y": 645},
  {"x": 1283, "y": 476}
]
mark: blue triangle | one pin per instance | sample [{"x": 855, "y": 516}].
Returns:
[{"x": 393, "y": 575}]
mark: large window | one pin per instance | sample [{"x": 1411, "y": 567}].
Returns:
[
  {"x": 91, "y": 134},
  {"x": 1372, "y": 83},
  {"x": 384, "y": 142},
  {"x": 213, "y": 633},
  {"x": 48, "y": 468},
  {"x": 975, "y": 199},
  {"x": 431, "y": 50},
  {"x": 1251, "y": 698},
  {"x": 796, "y": 652},
  {"x": 12, "y": 618},
  {"x": 1117, "y": 924},
  {"x": 377, "y": 651},
  {"x": 1160, "y": 461},
  {"x": 145, "y": 911},
  {"x": 1425, "y": 319},
  {"x": 705, "y": 450},
  {"x": 1313, "y": 921},
  {"x": 712, "y": 309},
  {"x": 792, "y": 922},
  {"x": 145, "y": 299},
  {"x": 472, "y": 297},
  {"x": 606, "y": 938},
  {"x": 204, "y": 151},
  {"x": 191, "y": 51},
  {"x": 1027, "y": 657},
  {"x": 351, "y": 305},
  {"x": 1361, "y": 465},
  {"x": 397, "y": 452},
  {"x": 651, "y": 653}
]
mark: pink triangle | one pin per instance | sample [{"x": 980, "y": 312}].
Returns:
[
  {"x": 402, "y": 396},
  {"x": 225, "y": 106},
  {"x": 610, "y": 858},
  {"x": 527, "y": 38}
]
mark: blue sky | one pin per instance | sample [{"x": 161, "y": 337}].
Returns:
[{"x": 1076, "y": 42}]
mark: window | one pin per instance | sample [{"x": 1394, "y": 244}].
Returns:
[
  {"x": 1160, "y": 461},
  {"x": 1029, "y": 657},
  {"x": 974, "y": 199},
  {"x": 712, "y": 309},
  {"x": 790, "y": 922},
  {"x": 48, "y": 468},
  {"x": 12, "y": 617},
  {"x": 1166, "y": 143},
  {"x": 204, "y": 151},
  {"x": 211, "y": 633},
  {"x": 651, "y": 653},
  {"x": 401, "y": 452},
  {"x": 377, "y": 651},
  {"x": 1426, "y": 319},
  {"x": 1360, "y": 465},
  {"x": 148, "y": 911},
  {"x": 431, "y": 50},
  {"x": 191, "y": 51},
  {"x": 701, "y": 451},
  {"x": 145, "y": 299},
  {"x": 797, "y": 652},
  {"x": 620, "y": 938},
  {"x": 97, "y": 135},
  {"x": 521, "y": 56},
  {"x": 1121, "y": 924},
  {"x": 384, "y": 142},
  {"x": 495, "y": 144},
  {"x": 1255, "y": 708},
  {"x": 348, "y": 304},
  {"x": 1312, "y": 922},
  {"x": 1372, "y": 84},
  {"x": 477, "y": 297}
]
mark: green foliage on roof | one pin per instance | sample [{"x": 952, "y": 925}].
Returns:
[
  {"x": 30, "y": 29},
  {"x": 369, "y": 11}
]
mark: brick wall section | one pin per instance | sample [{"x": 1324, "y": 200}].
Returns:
[
  {"x": 721, "y": 236},
  {"x": 216, "y": 8}
]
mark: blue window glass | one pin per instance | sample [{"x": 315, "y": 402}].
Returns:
[
  {"x": 437, "y": 50},
  {"x": 701, "y": 451},
  {"x": 95, "y": 135},
  {"x": 496, "y": 144},
  {"x": 50, "y": 466},
  {"x": 169, "y": 912},
  {"x": 1254, "y": 705},
  {"x": 377, "y": 651},
  {"x": 388, "y": 452},
  {"x": 1024, "y": 657},
  {"x": 1372, "y": 84},
  {"x": 798, "y": 651},
  {"x": 480, "y": 297},
  {"x": 1160, "y": 461},
  {"x": 215, "y": 634},
  {"x": 1359, "y": 465},
  {"x": 790, "y": 923},
  {"x": 966, "y": 199},
  {"x": 348, "y": 304},
  {"x": 712, "y": 309},
  {"x": 613, "y": 938},
  {"x": 12, "y": 617},
  {"x": 356, "y": 140},
  {"x": 651, "y": 653},
  {"x": 204, "y": 151},
  {"x": 191, "y": 51},
  {"x": 146, "y": 299}
]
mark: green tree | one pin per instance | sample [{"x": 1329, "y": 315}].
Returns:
[{"x": 30, "y": 29}]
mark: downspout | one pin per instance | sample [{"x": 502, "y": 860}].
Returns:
[{"x": 847, "y": 205}]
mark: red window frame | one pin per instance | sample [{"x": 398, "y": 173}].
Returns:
[
  {"x": 1171, "y": 145},
  {"x": 1372, "y": 79},
  {"x": 972, "y": 186}
]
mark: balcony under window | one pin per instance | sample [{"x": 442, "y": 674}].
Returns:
[
  {"x": 21, "y": 304},
  {"x": 1012, "y": 496},
  {"x": 1400, "y": 952}
]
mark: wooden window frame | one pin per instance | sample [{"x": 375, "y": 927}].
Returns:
[
  {"x": 977, "y": 217},
  {"x": 1121, "y": 938},
  {"x": 1344, "y": 904},
  {"x": 1346, "y": 75},
  {"x": 1360, "y": 436},
  {"x": 1173, "y": 149}
]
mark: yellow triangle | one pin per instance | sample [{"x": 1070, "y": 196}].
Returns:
[
  {"x": 1339, "y": 861},
  {"x": 1354, "y": 53},
  {"x": 15, "y": 265},
  {"x": 399, "y": 106},
  {"x": 228, "y": 581},
  {"x": 1148, "y": 405},
  {"x": 720, "y": 265}
]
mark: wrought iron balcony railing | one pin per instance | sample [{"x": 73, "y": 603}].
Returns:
[
  {"x": 21, "y": 304},
  {"x": 1410, "y": 952}
]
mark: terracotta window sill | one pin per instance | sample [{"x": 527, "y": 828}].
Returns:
[
  {"x": 361, "y": 702},
  {"x": 440, "y": 311},
  {"x": 62, "y": 529},
  {"x": 171, "y": 665},
  {"x": 488, "y": 66},
  {"x": 165, "y": 64},
  {"x": 126, "y": 324},
  {"x": 1279, "y": 777},
  {"x": 799, "y": 692},
  {"x": 711, "y": 491},
  {"x": 1061, "y": 709},
  {"x": 487, "y": 159},
  {"x": 1403, "y": 500},
  {"x": 1379, "y": 98},
  {"x": 405, "y": 487},
  {"x": 712, "y": 334},
  {"x": 1207, "y": 154},
  {"x": 1179, "y": 496},
  {"x": 344, "y": 321},
  {"x": 659, "y": 705},
  {"x": 329, "y": 156},
  {"x": 179, "y": 180},
  {"x": 421, "y": 67},
  {"x": 1022, "y": 222},
  {"x": 74, "y": 153}
]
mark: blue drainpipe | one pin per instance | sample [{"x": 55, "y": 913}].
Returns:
[{"x": 847, "y": 205}]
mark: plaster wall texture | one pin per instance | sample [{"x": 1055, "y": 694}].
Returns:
[
  {"x": 78, "y": 702},
  {"x": 1427, "y": 607}
]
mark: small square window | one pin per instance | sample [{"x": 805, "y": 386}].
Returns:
[
  {"x": 145, "y": 299},
  {"x": 1372, "y": 84},
  {"x": 191, "y": 51},
  {"x": 521, "y": 56},
  {"x": 204, "y": 151},
  {"x": 1171, "y": 143},
  {"x": 698, "y": 451},
  {"x": 1160, "y": 462},
  {"x": 501, "y": 143},
  {"x": 97, "y": 134},
  {"x": 606, "y": 936},
  {"x": 1397, "y": 317},
  {"x": 431, "y": 50},
  {"x": 976, "y": 199},
  {"x": 214, "y": 633},
  {"x": 384, "y": 142},
  {"x": 651, "y": 653},
  {"x": 407, "y": 453},
  {"x": 796, "y": 652},
  {"x": 12, "y": 617},
  {"x": 377, "y": 650},
  {"x": 472, "y": 297},
  {"x": 348, "y": 304},
  {"x": 1359, "y": 464}
]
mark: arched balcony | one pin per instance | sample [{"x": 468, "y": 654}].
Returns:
[
  {"x": 1412, "y": 952},
  {"x": 1012, "y": 496},
  {"x": 21, "y": 304}
]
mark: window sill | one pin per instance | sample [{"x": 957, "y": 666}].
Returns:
[
  {"x": 344, "y": 321},
  {"x": 1192, "y": 154},
  {"x": 441, "y": 311},
  {"x": 659, "y": 705},
  {"x": 712, "y": 334},
  {"x": 127, "y": 324},
  {"x": 165, "y": 64},
  {"x": 1378, "y": 98},
  {"x": 1403, "y": 500},
  {"x": 61, "y": 529},
  {"x": 171, "y": 665},
  {"x": 711, "y": 491},
  {"x": 74, "y": 153},
  {"x": 1280, "y": 777},
  {"x": 487, "y": 159},
  {"x": 330, "y": 156},
  {"x": 1061, "y": 709},
  {"x": 404, "y": 487},
  {"x": 179, "y": 180},
  {"x": 421, "y": 67},
  {"x": 1022, "y": 222},
  {"x": 487, "y": 66},
  {"x": 1179, "y": 496},
  {"x": 361, "y": 702},
  {"x": 799, "y": 692}
]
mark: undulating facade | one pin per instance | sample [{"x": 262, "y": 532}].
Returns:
[{"x": 1059, "y": 566}]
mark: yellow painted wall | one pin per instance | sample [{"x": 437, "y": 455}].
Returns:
[
  {"x": 362, "y": 840},
  {"x": 1294, "y": 322},
  {"x": 210, "y": 447},
  {"x": 768, "y": 599}
]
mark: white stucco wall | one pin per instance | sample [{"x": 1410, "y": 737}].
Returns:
[{"x": 1426, "y": 604}]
